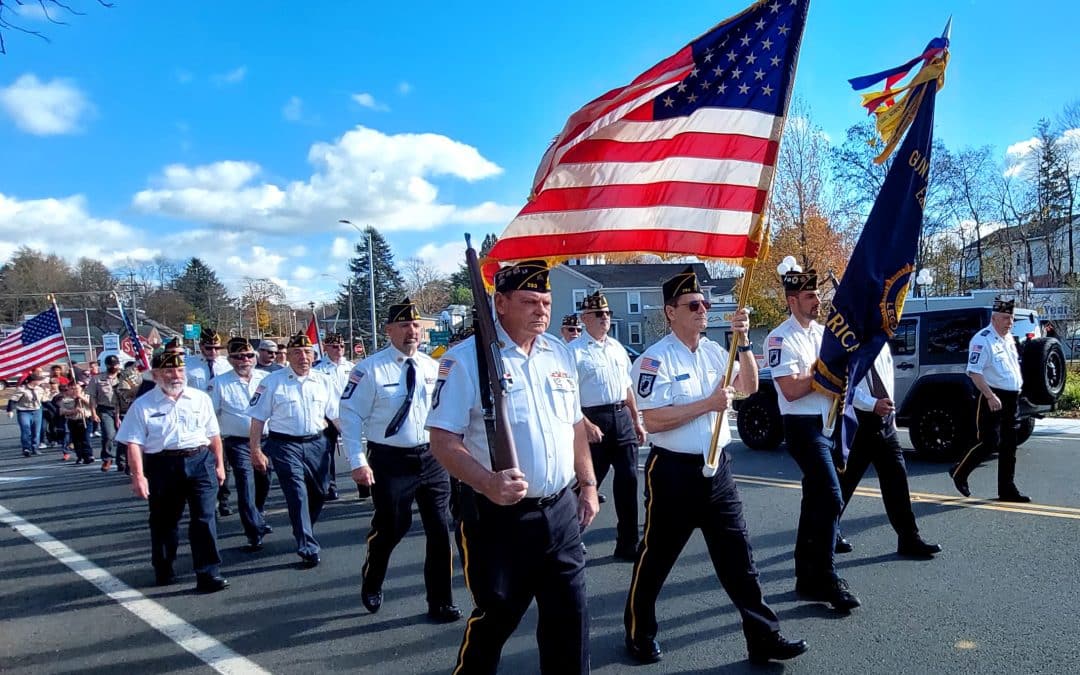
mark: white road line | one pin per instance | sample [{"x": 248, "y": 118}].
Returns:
[{"x": 202, "y": 646}]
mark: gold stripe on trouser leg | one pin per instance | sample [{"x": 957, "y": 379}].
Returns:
[
  {"x": 644, "y": 545},
  {"x": 367, "y": 551},
  {"x": 978, "y": 433},
  {"x": 468, "y": 586}
]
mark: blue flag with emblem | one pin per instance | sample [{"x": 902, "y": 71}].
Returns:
[{"x": 870, "y": 299}]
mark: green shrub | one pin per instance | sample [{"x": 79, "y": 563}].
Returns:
[{"x": 1070, "y": 398}]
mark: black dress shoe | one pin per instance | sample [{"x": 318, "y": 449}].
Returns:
[
  {"x": 960, "y": 482},
  {"x": 309, "y": 560},
  {"x": 373, "y": 601},
  {"x": 266, "y": 529},
  {"x": 833, "y": 591},
  {"x": 164, "y": 576},
  {"x": 625, "y": 553},
  {"x": 442, "y": 613},
  {"x": 774, "y": 648},
  {"x": 210, "y": 583},
  {"x": 601, "y": 498},
  {"x": 255, "y": 544},
  {"x": 842, "y": 545},
  {"x": 915, "y": 547},
  {"x": 331, "y": 495},
  {"x": 1015, "y": 497},
  {"x": 644, "y": 650}
]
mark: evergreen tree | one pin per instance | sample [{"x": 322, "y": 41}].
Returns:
[
  {"x": 200, "y": 287},
  {"x": 389, "y": 286},
  {"x": 460, "y": 288}
]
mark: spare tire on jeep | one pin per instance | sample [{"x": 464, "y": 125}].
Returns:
[{"x": 1043, "y": 368}]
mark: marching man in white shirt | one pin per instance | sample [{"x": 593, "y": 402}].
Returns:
[
  {"x": 334, "y": 365},
  {"x": 387, "y": 400},
  {"x": 230, "y": 394}
]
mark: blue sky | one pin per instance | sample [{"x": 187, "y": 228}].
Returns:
[{"x": 242, "y": 131}]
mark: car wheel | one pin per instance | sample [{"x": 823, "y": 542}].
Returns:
[
  {"x": 1043, "y": 368},
  {"x": 940, "y": 432},
  {"x": 1024, "y": 429},
  {"x": 759, "y": 423}
]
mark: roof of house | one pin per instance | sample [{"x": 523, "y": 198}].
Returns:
[
  {"x": 648, "y": 275},
  {"x": 1018, "y": 233}
]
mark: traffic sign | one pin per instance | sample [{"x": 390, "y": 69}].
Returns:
[
  {"x": 192, "y": 331},
  {"x": 358, "y": 348},
  {"x": 439, "y": 337}
]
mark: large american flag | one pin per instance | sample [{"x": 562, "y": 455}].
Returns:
[
  {"x": 37, "y": 342},
  {"x": 137, "y": 349},
  {"x": 678, "y": 161}
]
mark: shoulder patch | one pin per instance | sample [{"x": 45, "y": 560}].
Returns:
[
  {"x": 775, "y": 342},
  {"x": 355, "y": 376},
  {"x": 984, "y": 333},
  {"x": 649, "y": 365},
  {"x": 258, "y": 394},
  {"x": 445, "y": 366},
  {"x": 435, "y": 394},
  {"x": 645, "y": 384},
  {"x": 774, "y": 357}
]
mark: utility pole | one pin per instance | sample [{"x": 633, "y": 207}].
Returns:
[
  {"x": 371, "y": 279},
  {"x": 352, "y": 344}
]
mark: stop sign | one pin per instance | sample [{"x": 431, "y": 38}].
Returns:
[{"x": 358, "y": 348}]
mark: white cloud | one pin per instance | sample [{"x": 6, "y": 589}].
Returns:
[
  {"x": 294, "y": 109},
  {"x": 34, "y": 12},
  {"x": 45, "y": 108},
  {"x": 303, "y": 273},
  {"x": 298, "y": 251},
  {"x": 446, "y": 258},
  {"x": 234, "y": 76},
  {"x": 341, "y": 248},
  {"x": 365, "y": 176},
  {"x": 368, "y": 101},
  {"x": 184, "y": 76},
  {"x": 404, "y": 88}
]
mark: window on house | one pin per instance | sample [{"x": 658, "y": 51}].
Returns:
[
  {"x": 635, "y": 333},
  {"x": 579, "y": 298},
  {"x": 633, "y": 302}
]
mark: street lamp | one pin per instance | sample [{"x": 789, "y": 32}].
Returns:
[
  {"x": 371, "y": 284},
  {"x": 1023, "y": 287},
  {"x": 923, "y": 279}
]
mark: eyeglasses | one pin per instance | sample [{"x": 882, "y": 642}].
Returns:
[
  {"x": 602, "y": 313},
  {"x": 572, "y": 329},
  {"x": 695, "y": 305},
  {"x": 245, "y": 355}
]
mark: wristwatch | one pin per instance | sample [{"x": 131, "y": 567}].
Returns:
[{"x": 742, "y": 349}]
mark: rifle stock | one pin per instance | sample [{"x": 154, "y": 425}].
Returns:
[{"x": 494, "y": 383}]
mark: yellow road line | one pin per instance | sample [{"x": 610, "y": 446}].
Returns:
[{"x": 944, "y": 500}]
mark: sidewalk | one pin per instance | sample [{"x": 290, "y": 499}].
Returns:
[{"x": 1057, "y": 426}]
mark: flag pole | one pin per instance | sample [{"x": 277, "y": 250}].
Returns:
[{"x": 60, "y": 321}]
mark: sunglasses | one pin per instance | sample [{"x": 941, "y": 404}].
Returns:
[
  {"x": 572, "y": 329},
  {"x": 695, "y": 305},
  {"x": 602, "y": 313},
  {"x": 245, "y": 355}
]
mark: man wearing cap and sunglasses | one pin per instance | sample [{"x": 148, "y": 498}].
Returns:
[
  {"x": 230, "y": 394},
  {"x": 611, "y": 416},
  {"x": 570, "y": 329},
  {"x": 295, "y": 403},
  {"x": 174, "y": 448},
  {"x": 387, "y": 401},
  {"x": 679, "y": 390},
  {"x": 267, "y": 355}
]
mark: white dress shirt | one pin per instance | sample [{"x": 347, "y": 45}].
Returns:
[
  {"x": 543, "y": 407},
  {"x": 668, "y": 373},
  {"x": 791, "y": 349},
  {"x": 155, "y": 422},
  {"x": 995, "y": 358},
  {"x": 198, "y": 372},
  {"x": 863, "y": 399},
  {"x": 338, "y": 372},
  {"x": 603, "y": 369},
  {"x": 375, "y": 392},
  {"x": 230, "y": 396},
  {"x": 294, "y": 405}
]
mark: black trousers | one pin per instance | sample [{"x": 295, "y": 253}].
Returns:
[
  {"x": 996, "y": 433},
  {"x": 618, "y": 451},
  {"x": 514, "y": 554},
  {"x": 822, "y": 500},
  {"x": 679, "y": 500},
  {"x": 176, "y": 482},
  {"x": 80, "y": 438},
  {"x": 403, "y": 475},
  {"x": 332, "y": 434},
  {"x": 876, "y": 443}
]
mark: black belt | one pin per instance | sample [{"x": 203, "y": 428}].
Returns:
[
  {"x": 179, "y": 452},
  {"x": 689, "y": 458},
  {"x": 398, "y": 448},
  {"x": 607, "y": 407},
  {"x": 534, "y": 503},
  {"x": 295, "y": 439}
]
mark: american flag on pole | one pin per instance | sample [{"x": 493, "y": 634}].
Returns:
[
  {"x": 680, "y": 160},
  {"x": 133, "y": 338},
  {"x": 37, "y": 342}
]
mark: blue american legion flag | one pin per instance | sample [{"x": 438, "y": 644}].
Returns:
[
  {"x": 37, "y": 342},
  {"x": 680, "y": 160}
]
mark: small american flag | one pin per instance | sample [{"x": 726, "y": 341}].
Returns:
[
  {"x": 775, "y": 342},
  {"x": 678, "y": 161},
  {"x": 444, "y": 367},
  {"x": 36, "y": 343},
  {"x": 649, "y": 365}
]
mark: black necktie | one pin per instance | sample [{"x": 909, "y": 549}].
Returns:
[
  {"x": 210, "y": 367},
  {"x": 403, "y": 411}
]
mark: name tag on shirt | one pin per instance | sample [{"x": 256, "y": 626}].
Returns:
[
  {"x": 683, "y": 376},
  {"x": 561, "y": 382}
]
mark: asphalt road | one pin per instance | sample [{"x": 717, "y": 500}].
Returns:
[{"x": 1002, "y": 597}]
